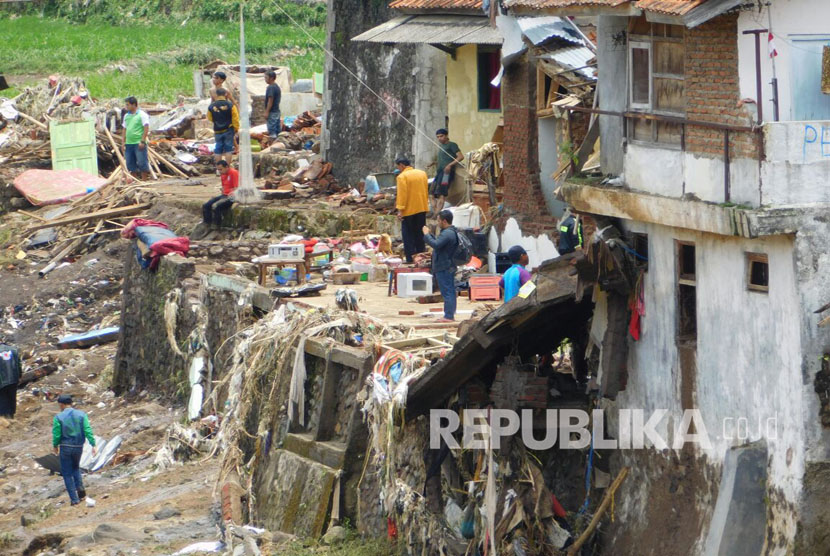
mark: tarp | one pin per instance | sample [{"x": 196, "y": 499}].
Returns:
[
  {"x": 91, "y": 338},
  {"x": 51, "y": 187}
]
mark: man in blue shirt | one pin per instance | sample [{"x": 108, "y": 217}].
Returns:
[
  {"x": 70, "y": 428},
  {"x": 515, "y": 276},
  {"x": 443, "y": 266}
]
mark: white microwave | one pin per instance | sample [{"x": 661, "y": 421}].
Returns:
[{"x": 414, "y": 284}]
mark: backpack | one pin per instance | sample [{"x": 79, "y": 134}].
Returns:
[{"x": 463, "y": 249}]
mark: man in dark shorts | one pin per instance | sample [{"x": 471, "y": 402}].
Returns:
[
  {"x": 225, "y": 118},
  {"x": 449, "y": 156}
]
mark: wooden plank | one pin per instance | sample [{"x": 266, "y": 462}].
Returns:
[{"x": 91, "y": 216}]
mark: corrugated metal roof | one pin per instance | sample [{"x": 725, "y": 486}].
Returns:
[
  {"x": 539, "y": 29},
  {"x": 434, "y": 29},
  {"x": 572, "y": 57},
  {"x": 435, "y": 4}
]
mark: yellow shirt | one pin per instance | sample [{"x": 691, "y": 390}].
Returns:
[{"x": 413, "y": 191}]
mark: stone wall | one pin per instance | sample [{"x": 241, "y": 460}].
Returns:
[
  {"x": 362, "y": 133},
  {"x": 11, "y": 199}
]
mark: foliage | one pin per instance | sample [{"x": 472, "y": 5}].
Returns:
[
  {"x": 113, "y": 11},
  {"x": 152, "y": 62},
  {"x": 351, "y": 547}
]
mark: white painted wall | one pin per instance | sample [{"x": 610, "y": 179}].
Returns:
[
  {"x": 789, "y": 17},
  {"x": 749, "y": 353},
  {"x": 673, "y": 173},
  {"x": 539, "y": 248}
]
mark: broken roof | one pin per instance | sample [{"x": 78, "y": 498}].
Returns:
[
  {"x": 434, "y": 29},
  {"x": 538, "y": 322}
]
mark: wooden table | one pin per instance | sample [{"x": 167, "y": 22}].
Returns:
[{"x": 265, "y": 263}]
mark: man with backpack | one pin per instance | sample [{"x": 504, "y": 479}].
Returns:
[{"x": 449, "y": 250}]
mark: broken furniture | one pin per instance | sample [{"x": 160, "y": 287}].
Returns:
[{"x": 264, "y": 263}]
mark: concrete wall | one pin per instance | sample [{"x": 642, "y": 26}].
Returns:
[
  {"x": 673, "y": 173},
  {"x": 749, "y": 355},
  {"x": 539, "y": 248},
  {"x": 789, "y": 18},
  {"x": 362, "y": 133},
  {"x": 612, "y": 67},
  {"x": 797, "y": 165},
  {"x": 468, "y": 126}
]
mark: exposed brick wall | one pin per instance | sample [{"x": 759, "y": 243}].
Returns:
[
  {"x": 712, "y": 89},
  {"x": 523, "y": 198}
]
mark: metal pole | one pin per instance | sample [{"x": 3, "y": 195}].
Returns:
[
  {"x": 774, "y": 81},
  {"x": 759, "y": 92}
]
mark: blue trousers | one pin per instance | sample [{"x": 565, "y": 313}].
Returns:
[
  {"x": 136, "y": 158},
  {"x": 446, "y": 284},
  {"x": 273, "y": 123},
  {"x": 70, "y": 458}
]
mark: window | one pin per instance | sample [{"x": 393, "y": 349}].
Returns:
[
  {"x": 489, "y": 66},
  {"x": 686, "y": 262},
  {"x": 656, "y": 63},
  {"x": 686, "y": 291},
  {"x": 757, "y": 272}
]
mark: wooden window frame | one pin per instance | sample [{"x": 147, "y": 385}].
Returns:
[
  {"x": 751, "y": 258},
  {"x": 637, "y": 45}
]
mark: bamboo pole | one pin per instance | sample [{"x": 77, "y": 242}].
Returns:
[
  {"x": 34, "y": 121},
  {"x": 117, "y": 150},
  {"x": 606, "y": 501},
  {"x": 168, "y": 163}
]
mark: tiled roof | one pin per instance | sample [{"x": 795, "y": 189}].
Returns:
[
  {"x": 672, "y": 7},
  {"x": 435, "y": 4},
  {"x": 541, "y": 4}
]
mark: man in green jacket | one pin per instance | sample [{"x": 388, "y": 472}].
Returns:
[{"x": 69, "y": 430}]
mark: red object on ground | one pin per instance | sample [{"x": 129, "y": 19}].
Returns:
[
  {"x": 391, "y": 528},
  {"x": 558, "y": 510},
  {"x": 180, "y": 245},
  {"x": 129, "y": 230},
  {"x": 52, "y": 187}
]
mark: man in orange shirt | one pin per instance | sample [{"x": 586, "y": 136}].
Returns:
[
  {"x": 412, "y": 203},
  {"x": 214, "y": 210}
]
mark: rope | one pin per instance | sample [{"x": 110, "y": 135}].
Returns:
[{"x": 359, "y": 80}]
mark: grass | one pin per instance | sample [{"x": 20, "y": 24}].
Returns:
[{"x": 158, "y": 59}]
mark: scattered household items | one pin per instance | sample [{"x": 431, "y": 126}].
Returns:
[
  {"x": 413, "y": 284},
  {"x": 153, "y": 240},
  {"x": 50, "y": 187}
]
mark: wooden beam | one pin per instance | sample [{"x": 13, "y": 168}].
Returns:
[{"x": 97, "y": 215}]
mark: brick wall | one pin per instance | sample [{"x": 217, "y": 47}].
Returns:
[
  {"x": 712, "y": 89},
  {"x": 523, "y": 197}
]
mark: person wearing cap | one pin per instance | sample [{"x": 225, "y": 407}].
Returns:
[
  {"x": 449, "y": 156},
  {"x": 225, "y": 118},
  {"x": 515, "y": 276},
  {"x": 412, "y": 202},
  {"x": 9, "y": 377},
  {"x": 70, "y": 428},
  {"x": 218, "y": 81}
]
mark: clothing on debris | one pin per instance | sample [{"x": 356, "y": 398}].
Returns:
[{"x": 10, "y": 370}]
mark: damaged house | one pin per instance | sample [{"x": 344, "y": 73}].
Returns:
[{"x": 716, "y": 148}]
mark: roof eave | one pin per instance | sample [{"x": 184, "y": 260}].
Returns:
[
  {"x": 437, "y": 11},
  {"x": 576, "y": 11}
]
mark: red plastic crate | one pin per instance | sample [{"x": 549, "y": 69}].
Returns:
[
  {"x": 485, "y": 280},
  {"x": 482, "y": 293}
]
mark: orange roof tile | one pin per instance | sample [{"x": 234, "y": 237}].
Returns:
[
  {"x": 541, "y": 4},
  {"x": 673, "y": 7},
  {"x": 435, "y": 4}
]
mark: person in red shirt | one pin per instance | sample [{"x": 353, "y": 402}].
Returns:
[{"x": 215, "y": 209}]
